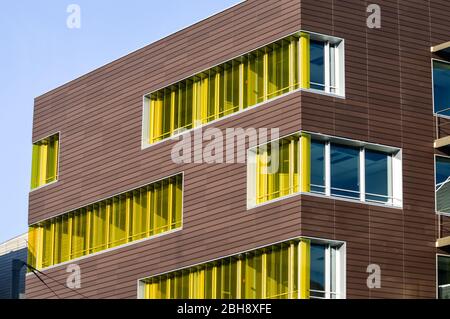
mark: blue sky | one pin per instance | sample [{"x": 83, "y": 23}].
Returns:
[{"x": 39, "y": 52}]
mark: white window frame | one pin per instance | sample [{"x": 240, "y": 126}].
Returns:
[
  {"x": 435, "y": 195},
  {"x": 395, "y": 168},
  {"x": 437, "y": 272},
  {"x": 104, "y": 251}
]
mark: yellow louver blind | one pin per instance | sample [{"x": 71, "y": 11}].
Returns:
[
  {"x": 280, "y": 271},
  {"x": 137, "y": 214},
  {"x": 45, "y": 161},
  {"x": 243, "y": 82}
]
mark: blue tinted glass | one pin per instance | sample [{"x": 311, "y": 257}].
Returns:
[
  {"x": 441, "y": 80},
  {"x": 442, "y": 184},
  {"x": 317, "y": 279},
  {"x": 344, "y": 171},
  {"x": 317, "y": 65},
  {"x": 317, "y": 167},
  {"x": 443, "y": 270},
  {"x": 377, "y": 179},
  {"x": 442, "y": 170}
]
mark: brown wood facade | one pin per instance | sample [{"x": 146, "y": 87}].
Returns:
[{"x": 388, "y": 101}]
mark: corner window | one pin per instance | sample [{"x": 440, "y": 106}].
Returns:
[
  {"x": 317, "y": 167},
  {"x": 378, "y": 176},
  {"x": 442, "y": 175},
  {"x": 44, "y": 168},
  {"x": 441, "y": 87},
  {"x": 325, "y": 165},
  {"x": 443, "y": 277},
  {"x": 299, "y": 61}
]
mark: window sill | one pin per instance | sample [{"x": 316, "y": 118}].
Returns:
[{"x": 327, "y": 197}]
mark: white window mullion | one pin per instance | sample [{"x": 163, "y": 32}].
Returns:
[
  {"x": 327, "y": 168},
  {"x": 362, "y": 175},
  {"x": 327, "y": 66},
  {"x": 327, "y": 272},
  {"x": 339, "y": 66}
]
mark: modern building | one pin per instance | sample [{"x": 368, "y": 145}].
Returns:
[
  {"x": 357, "y": 206},
  {"x": 13, "y": 258}
]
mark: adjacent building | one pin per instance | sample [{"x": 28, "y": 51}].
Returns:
[
  {"x": 346, "y": 196},
  {"x": 13, "y": 258}
]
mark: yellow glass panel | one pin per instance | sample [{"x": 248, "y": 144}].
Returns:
[
  {"x": 62, "y": 240},
  {"x": 51, "y": 162},
  {"x": 99, "y": 228},
  {"x": 284, "y": 169},
  {"x": 48, "y": 241},
  {"x": 156, "y": 127},
  {"x": 165, "y": 207},
  {"x": 178, "y": 203},
  {"x": 35, "y": 166},
  {"x": 167, "y": 111},
  {"x": 157, "y": 208},
  {"x": 33, "y": 246}
]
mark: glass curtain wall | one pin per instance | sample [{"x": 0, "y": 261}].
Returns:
[{"x": 227, "y": 88}]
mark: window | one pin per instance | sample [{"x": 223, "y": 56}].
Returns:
[
  {"x": 325, "y": 165},
  {"x": 44, "y": 168},
  {"x": 301, "y": 60},
  {"x": 443, "y": 277},
  {"x": 345, "y": 171},
  {"x": 318, "y": 65},
  {"x": 277, "y": 170},
  {"x": 141, "y": 213},
  {"x": 442, "y": 172},
  {"x": 325, "y": 61},
  {"x": 441, "y": 87},
  {"x": 289, "y": 270}
]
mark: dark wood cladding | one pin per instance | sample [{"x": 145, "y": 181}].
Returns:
[{"x": 388, "y": 101}]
